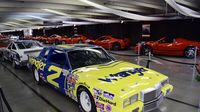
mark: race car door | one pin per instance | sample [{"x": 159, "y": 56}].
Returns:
[
  {"x": 164, "y": 46},
  {"x": 56, "y": 69},
  {"x": 103, "y": 41}
]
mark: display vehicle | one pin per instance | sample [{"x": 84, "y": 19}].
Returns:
[
  {"x": 77, "y": 38},
  {"x": 99, "y": 82},
  {"x": 170, "y": 46},
  {"x": 110, "y": 42},
  {"x": 57, "y": 39},
  {"x": 18, "y": 51}
]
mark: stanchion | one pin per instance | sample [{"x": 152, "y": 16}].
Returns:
[
  {"x": 194, "y": 65},
  {"x": 149, "y": 60},
  {"x": 138, "y": 57},
  {"x": 1, "y": 104},
  {"x": 109, "y": 46}
]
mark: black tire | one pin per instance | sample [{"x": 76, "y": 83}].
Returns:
[
  {"x": 56, "y": 42},
  {"x": 63, "y": 42},
  {"x": 91, "y": 102},
  {"x": 189, "y": 52},
  {"x": 145, "y": 50},
  {"x": 14, "y": 65},
  {"x": 80, "y": 42},
  {"x": 116, "y": 46},
  {"x": 38, "y": 80}
]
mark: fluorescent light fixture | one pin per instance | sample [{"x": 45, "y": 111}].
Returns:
[
  {"x": 9, "y": 24},
  {"x": 182, "y": 9},
  {"x": 15, "y": 23},
  {"x": 100, "y": 20},
  {"x": 26, "y": 21},
  {"x": 81, "y": 18},
  {"x": 77, "y": 23},
  {"x": 56, "y": 12},
  {"x": 37, "y": 17},
  {"x": 121, "y": 13}
]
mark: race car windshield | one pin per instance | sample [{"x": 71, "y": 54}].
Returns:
[
  {"x": 20, "y": 45},
  {"x": 32, "y": 44},
  {"x": 87, "y": 57}
]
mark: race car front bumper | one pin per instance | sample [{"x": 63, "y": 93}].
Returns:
[{"x": 141, "y": 106}]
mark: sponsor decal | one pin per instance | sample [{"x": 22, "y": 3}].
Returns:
[
  {"x": 97, "y": 93},
  {"x": 108, "y": 108},
  {"x": 108, "y": 95},
  {"x": 123, "y": 74},
  {"x": 100, "y": 105},
  {"x": 71, "y": 82},
  {"x": 38, "y": 64},
  {"x": 107, "y": 101}
]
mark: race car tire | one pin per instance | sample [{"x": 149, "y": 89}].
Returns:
[
  {"x": 116, "y": 46},
  {"x": 36, "y": 76},
  {"x": 80, "y": 42},
  {"x": 145, "y": 50},
  {"x": 189, "y": 52},
  {"x": 56, "y": 42},
  {"x": 86, "y": 100},
  {"x": 63, "y": 42},
  {"x": 14, "y": 65}
]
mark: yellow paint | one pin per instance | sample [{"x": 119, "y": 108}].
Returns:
[{"x": 50, "y": 78}]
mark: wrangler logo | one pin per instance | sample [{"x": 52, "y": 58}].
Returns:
[{"x": 115, "y": 77}]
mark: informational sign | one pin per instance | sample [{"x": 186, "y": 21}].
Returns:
[
  {"x": 146, "y": 30},
  {"x": 28, "y": 32}
]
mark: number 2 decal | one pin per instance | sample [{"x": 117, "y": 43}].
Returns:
[{"x": 51, "y": 77}]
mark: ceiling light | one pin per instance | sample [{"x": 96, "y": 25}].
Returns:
[
  {"x": 182, "y": 9},
  {"x": 81, "y": 18},
  {"x": 37, "y": 17},
  {"x": 56, "y": 12},
  {"x": 121, "y": 13}
]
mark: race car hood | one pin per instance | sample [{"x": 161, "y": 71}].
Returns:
[{"x": 119, "y": 77}]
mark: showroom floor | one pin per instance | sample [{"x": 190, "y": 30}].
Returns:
[{"x": 24, "y": 95}]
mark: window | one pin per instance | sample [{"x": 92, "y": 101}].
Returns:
[
  {"x": 167, "y": 40},
  {"x": 20, "y": 45},
  {"x": 31, "y": 44},
  {"x": 44, "y": 53},
  {"x": 58, "y": 57},
  {"x": 10, "y": 46},
  {"x": 87, "y": 57},
  {"x": 13, "y": 47},
  {"x": 102, "y": 38}
]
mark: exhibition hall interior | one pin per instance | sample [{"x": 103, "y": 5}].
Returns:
[{"x": 99, "y": 56}]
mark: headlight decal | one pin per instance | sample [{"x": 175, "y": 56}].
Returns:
[
  {"x": 164, "y": 82},
  {"x": 130, "y": 100}
]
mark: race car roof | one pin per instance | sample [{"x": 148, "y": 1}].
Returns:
[{"x": 76, "y": 46}]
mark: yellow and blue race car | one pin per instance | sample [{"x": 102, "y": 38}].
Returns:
[{"x": 97, "y": 81}]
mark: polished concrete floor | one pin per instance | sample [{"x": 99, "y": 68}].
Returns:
[{"x": 24, "y": 95}]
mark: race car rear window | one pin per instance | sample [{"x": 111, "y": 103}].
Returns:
[
  {"x": 58, "y": 57},
  {"x": 87, "y": 57},
  {"x": 20, "y": 45}
]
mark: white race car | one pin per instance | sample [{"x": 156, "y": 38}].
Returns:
[{"x": 19, "y": 51}]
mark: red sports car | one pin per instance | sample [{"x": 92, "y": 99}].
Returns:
[
  {"x": 75, "y": 39},
  {"x": 170, "y": 46},
  {"x": 110, "y": 42}
]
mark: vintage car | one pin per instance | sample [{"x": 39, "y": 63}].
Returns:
[
  {"x": 110, "y": 42},
  {"x": 97, "y": 81},
  {"x": 170, "y": 46},
  {"x": 57, "y": 39},
  {"x": 77, "y": 38},
  {"x": 18, "y": 51}
]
